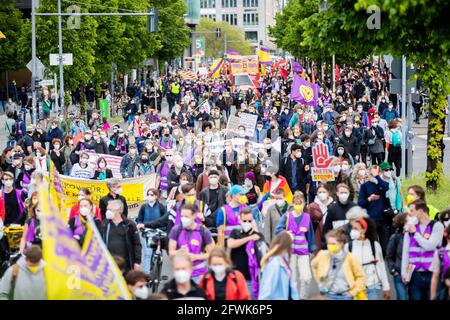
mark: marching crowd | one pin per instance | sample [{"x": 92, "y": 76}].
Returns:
[{"x": 244, "y": 218}]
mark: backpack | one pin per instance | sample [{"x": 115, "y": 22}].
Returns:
[
  {"x": 12, "y": 130},
  {"x": 372, "y": 247},
  {"x": 15, "y": 274},
  {"x": 396, "y": 138}
]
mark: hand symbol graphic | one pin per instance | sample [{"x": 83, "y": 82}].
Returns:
[{"x": 321, "y": 156}]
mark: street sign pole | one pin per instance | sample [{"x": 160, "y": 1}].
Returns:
[
  {"x": 409, "y": 152},
  {"x": 56, "y": 92},
  {"x": 33, "y": 61},
  {"x": 61, "y": 76},
  {"x": 404, "y": 123}
]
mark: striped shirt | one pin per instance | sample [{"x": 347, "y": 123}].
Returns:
[{"x": 78, "y": 172}]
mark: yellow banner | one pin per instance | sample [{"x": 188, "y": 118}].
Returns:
[
  {"x": 72, "y": 273},
  {"x": 133, "y": 189}
]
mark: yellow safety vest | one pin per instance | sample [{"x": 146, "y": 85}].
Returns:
[{"x": 175, "y": 88}]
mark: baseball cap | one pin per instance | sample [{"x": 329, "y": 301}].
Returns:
[
  {"x": 237, "y": 189},
  {"x": 385, "y": 165}
]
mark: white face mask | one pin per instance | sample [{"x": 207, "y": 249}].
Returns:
[
  {"x": 246, "y": 226},
  {"x": 119, "y": 191},
  {"x": 322, "y": 196},
  {"x": 343, "y": 197},
  {"x": 344, "y": 167},
  {"x": 213, "y": 181},
  {"x": 102, "y": 165},
  {"x": 8, "y": 183},
  {"x": 56, "y": 146},
  {"x": 362, "y": 173},
  {"x": 308, "y": 144},
  {"x": 446, "y": 223},
  {"x": 109, "y": 214},
  {"x": 183, "y": 182},
  {"x": 84, "y": 211},
  {"x": 179, "y": 164},
  {"x": 355, "y": 234},
  {"x": 388, "y": 174},
  {"x": 141, "y": 293},
  {"x": 39, "y": 214},
  {"x": 169, "y": 158},
  {"x": 219, "y": 271},
  {"x": 27, "y": 167},
  {"x": 182, "y": 276},
  {"x": 186, "y": 222},
  {"x": 151, "y": 199},
  {"x": 84, "y": 160},
  {"x": 337, "y": 168},
  {"x": 280, "y": 203},
  {"x": 413, "y": 220}
]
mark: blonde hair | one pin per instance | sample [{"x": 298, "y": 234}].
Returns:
[
  {"x": 219, "y": 252},
  {"x": 283, "y": 242},
  {"x": 358, "y": 167}
]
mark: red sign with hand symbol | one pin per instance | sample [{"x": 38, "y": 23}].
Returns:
[{"x": 322, "y": 162}]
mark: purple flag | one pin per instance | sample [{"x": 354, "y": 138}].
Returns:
[
  {"x": 296, "y": 67},
  {"x": 304, "y": 92}
]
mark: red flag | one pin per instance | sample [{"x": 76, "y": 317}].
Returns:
[
  {"x": 284, "y": 73},
  {"x": 338, "y": 74}
]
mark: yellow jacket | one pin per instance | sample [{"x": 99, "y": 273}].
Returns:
[{"x": 353, "y": 270}]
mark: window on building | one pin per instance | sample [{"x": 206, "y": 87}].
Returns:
[
  {"x": 250, "y": 3},
  {"x": 230, "y": 18},
  {"x": 252, "y": 36},
  {"x": 207, "y": 3},
  {"x": 209, "y": 16},
  {"x": 251, "y": 19},
  {"x": 229, "y": 3}
]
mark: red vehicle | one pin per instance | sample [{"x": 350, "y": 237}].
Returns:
[{"x": 244, "y": 81}]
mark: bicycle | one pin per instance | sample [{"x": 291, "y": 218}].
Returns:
[{"x": 154, "y": 238}]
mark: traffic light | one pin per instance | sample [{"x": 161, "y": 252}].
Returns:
[
  {"x": 36, "y": 83},
  {"x": 218, "y": 33},
  {"x": 152, "y": 20}
]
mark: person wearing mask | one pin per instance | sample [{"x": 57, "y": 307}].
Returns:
[
  {"x": 128, "y": 162},
  {"x": 25, "y": 279},
  {"x": 182, "y": 287},
  {"x": 13, "y": 201},
  {"x": 339, "y": 274},
  {"x": 77, "y": 127},
  {"x": 82, "y": 169},
  {"x": 337, "y": 211},
  {"x": 228, "y": 215},
  {"x": 24, "y": 177},
  {"x": 298, "y": 224},
  {"x": 149, "y": 213},
  {"x": 53, "y": 133},
  {"x": 390, "y": 113},
  {"x": 176, "y": 194},
  {"x": 375, "y": 138},
  {"x": 192, "y": 238},
  {"x": 394, "y": 254},
  {"x": 57, "y": 156},
  {"x": 143, "y": 166},
  {"x": 221, "y": 282},
  {"x": 244, "y": 251},
  {"x": 421, "y": 239},
  {"x": 41, "y": 161},
  {"x": 162, "y": 170},
  {"x": 359, "y": 177},
  {"x": 99, "y": 143},
  {"x": 306, "y": 150},
  {"x": 276, "y": 279},
  {"x": 16, "y": 168},
  {"x": 67, "y": 150},
  {"x": 293, "y": 168},
  {"x": 367, "y": 250},
  {"x": 78, "y": 223},
  {"x": 137, "y": 283},
  {"x": 120, "y": 144},
  {"x": 200, "y": 172},
  {"x": 173, "y": 177},
  {"x": 274, "y": 182},
  {"x": 32, "y": 228},
  {"x": 253, "y": 194},
  {"x": 440, "y": 266},
  {"x": 214, "y": 195},
  {"x": 350, "y": 143},
  {"x": 322, "y": 202},
  {"x": 394, "y": 194},
  {"x": 394, "y": 146},
  {"x": 102, "y": 172},
  {"x": 115, "y": 190},
  {"x": 121, "y": 235},
  {"x": 84, "y": 193},
  {"x": 416, "y": 192},
  {"x": 372, "y": 197}
]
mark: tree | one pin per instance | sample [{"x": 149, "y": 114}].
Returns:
[
  {"x": 214, "y": 45},
  {"x": 173, "y": 33},
  {"x": 417, "y": 29},
  {"x": 10, "y": 22}
]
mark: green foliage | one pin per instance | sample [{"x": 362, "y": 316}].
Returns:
[
  {"x": 214, "y": 45},
  {"x": 438, "y": 198},
  {"x": 10, "y": 22}
]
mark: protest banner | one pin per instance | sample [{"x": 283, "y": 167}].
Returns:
[
  {"x": 113, "y": 162},
  {"x": 247, "y": 120},
  {"x": 304, "y": 92},
  {"x": 71, "y": 272},
  {"x": 56, "y": 188},
  {"x": 238, "y": 144},
  {"x": 322, "y": 170},
  {"x": 133, "y": 189}
]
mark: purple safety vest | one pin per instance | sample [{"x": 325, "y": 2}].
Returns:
[
  {"x": 445, "y": 261},
  {"x": 300, "y": 244},
  {"x": 194, "y": 243},
  {"x": 253, "y": 267},
  {"x": 166, "y": 145},
  {"x": 19, "y": 200},
  {"x": 419, "y": 257},
  {"x": 163, "y": 183},
  {"x": 231, "y": 220}
]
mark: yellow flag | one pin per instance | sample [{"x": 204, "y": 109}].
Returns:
[
  {"x": 72, "y": 273},
  {"x": 56, "y": 189}
]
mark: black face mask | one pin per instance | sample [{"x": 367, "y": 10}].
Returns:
[{"x": 145, "y": 160}]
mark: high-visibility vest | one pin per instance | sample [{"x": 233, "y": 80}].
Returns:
[{"x": 175, "y": 88}]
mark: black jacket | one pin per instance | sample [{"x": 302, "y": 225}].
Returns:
[
  {"x": 210, "y": 221},
  {"x": 302, "y": 175},
  {"x": 336, "y": 212},
  {"x": 171, "y": 292},
  {"x": 133, "y": 242},
  {"x": 351, "y": 144},
  {"x": 59, "y": 161},
  {"x": 394, "y": 253}
]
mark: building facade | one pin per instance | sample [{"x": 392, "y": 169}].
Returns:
[{"x": 253, "y": 17}]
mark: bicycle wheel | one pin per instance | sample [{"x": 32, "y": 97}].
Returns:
[
  {"x": 158, "y": 269},
  {"x": 154, "y": 276}
]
